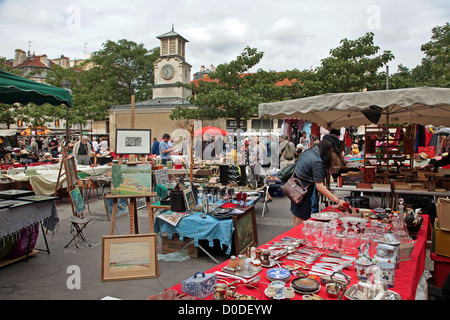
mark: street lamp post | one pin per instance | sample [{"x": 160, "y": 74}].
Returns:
[{"x": 66, "y": 84}]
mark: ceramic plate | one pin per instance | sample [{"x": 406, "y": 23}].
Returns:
[{"x": 278, "y": 273}]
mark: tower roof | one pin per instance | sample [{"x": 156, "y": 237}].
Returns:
[{"x": 171, "y": 34}]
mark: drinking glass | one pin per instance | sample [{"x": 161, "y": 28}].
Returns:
[
  {"x": 238, "y": 197},
  {"x": 244, "y": 197}
]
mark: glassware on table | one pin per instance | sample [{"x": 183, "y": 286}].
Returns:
[
  {"x": 351, "y": 242},
  {"x": 238, "y": 197},
  {"x": 365, "y": 238},
  {"x": 244, "y": 197}
]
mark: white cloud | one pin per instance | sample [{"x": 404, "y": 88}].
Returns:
[{"x": 292, "y": 34}]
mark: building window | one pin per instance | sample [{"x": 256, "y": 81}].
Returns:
[{"x": 258, "y": 124}]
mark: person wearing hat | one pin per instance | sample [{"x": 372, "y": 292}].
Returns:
[{"x": 313, "y": 168}]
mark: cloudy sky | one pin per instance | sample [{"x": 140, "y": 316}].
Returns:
[{"x": 291, "y": 33}]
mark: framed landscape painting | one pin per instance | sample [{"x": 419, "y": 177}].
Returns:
[
  {"x": 133, "y": 141},
  {"x": 129, "y": 257},
  {"x": 131, "y": 180}
]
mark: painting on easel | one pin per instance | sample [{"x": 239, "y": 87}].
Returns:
[{"x": 131, "y": 180}]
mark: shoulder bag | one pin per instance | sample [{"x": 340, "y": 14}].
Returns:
[{"x": 294, "y": 189}]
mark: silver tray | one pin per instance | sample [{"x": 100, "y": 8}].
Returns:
[
  {"x": 350, "y": 294},
  {"x": 240, "y": 272}
]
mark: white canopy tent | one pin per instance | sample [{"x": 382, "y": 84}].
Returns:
[{"x": 423, "y": 105}]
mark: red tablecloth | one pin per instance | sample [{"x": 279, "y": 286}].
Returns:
[
  {"x": 21, "y": 165},
  {"x": 406, "y": 277}
]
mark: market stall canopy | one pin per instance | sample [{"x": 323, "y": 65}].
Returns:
[
  {"x": 211, "y": 131},
  {"x": 15, "y": 89},
  {"x": 8, "y": 132},
  {"x": 422, "y": 105}
]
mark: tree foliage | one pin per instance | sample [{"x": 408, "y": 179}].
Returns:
[
  {"x": 125, "y": 69},
  {"x": 232, "y": 91}
]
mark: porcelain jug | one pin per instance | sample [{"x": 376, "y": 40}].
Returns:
[
  {"x": 390, "y": 239},
  {"x": 385, "y": 253},
  {"x": 363, "y": 263}
]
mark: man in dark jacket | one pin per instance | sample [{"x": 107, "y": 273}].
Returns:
[{"x": 155, "y": 147}]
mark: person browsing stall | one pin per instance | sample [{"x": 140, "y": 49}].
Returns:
[
  {"x": 165, "y": 149},
  {"x": 82, "y": 151},
  {"x": 313, "y": 169},
  {"x": 155, "y": 147}
]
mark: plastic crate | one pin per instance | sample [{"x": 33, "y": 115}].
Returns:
[{"x": 441, "y": 269}]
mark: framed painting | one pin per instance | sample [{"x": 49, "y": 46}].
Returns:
[
  {"x": 162, "y": 177},
  {"x": 131, "y": 180},
  {"x": 126, "y": 257},
  {"x": 70, "y": 168},
  {"x": 77, "y": 201},
  {"x": 133, "y": 141},
  {"x": 189, "y": 199},
  {"x": 122, "y": 207},
  {"x": 245, "y": 234}
]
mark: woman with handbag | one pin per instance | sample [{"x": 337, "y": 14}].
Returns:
[{"x": 312, "y": 169}]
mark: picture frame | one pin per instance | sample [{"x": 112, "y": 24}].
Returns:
[
  {"x": 70, "y": 168},
  {"x": 131, "y": 180},
  {"x": 189, "y": 199},
  {"x": 133, "y": 141},
  {"x": 162, "y": 177},
  {"x": 78, "y": 204},
  {"x": 123, "y": 207},
  {"x": 245, "y": 231},
  {"x": 126, "y": 257}
]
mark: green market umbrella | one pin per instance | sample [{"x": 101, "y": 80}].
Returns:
[{"x": 17, "y": 89}]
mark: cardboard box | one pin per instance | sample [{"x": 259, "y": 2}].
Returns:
[
  {"x": 443, "y": 213},
  {"x": 174, "y": 245},
  {"x": 441, "y": 240}
]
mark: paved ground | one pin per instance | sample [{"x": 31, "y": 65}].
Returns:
[{"x": 45, "y": 276}]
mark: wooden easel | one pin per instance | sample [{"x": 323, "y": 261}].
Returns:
[{"x": 134, "y": 226}]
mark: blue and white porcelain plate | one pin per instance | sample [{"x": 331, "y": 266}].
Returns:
[{"x": 278, "y": 273}]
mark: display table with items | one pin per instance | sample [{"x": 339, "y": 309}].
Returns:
[
  {"x": 332, "y": 256},
  {"x": 211, "y": 220},
  {"x": 43, "y": 179},
  {"x": 21, "y": 214}
]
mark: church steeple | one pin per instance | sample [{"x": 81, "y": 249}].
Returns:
[{"x": 172, "y": 44}]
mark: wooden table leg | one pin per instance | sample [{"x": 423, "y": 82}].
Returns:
[{"x": 113, "y": 217}]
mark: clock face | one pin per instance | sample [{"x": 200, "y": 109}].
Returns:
[{"x": 167, "y": 72}]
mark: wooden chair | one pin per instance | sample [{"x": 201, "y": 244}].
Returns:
[{"x": 78, "y": 220}]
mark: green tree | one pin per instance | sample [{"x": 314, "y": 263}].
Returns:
[
  {"x": 435, "y": 68},
  {"x": 233, "y": 92},
  {"x": 89, "y": 95},
  {"x": 125, "y": 69},
  {"x": 353, "y": 66}
]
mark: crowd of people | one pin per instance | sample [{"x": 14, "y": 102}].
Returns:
[{"x": 47, "y": 149}]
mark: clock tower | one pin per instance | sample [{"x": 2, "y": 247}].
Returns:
[{"x": 171, "y": 67}]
